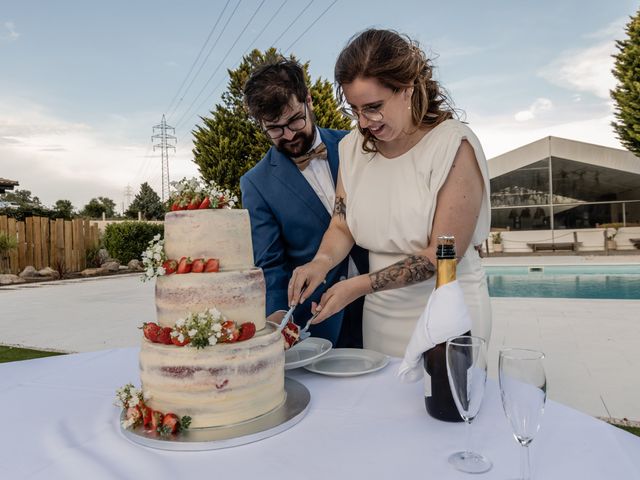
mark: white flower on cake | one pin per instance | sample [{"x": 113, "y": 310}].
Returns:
[
  {"x": 128, "y": 396},
  {"x": 153, "y": 259},
  {"x": 193, "y": 194},
  {"x": 200, "y": 327}
]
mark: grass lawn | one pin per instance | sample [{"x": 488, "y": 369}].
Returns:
[
  {"x": 13, "y": 354},
  {"x": 634, "y": 430}
]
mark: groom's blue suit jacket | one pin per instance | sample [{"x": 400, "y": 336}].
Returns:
[{"x": 288, "y": 221}]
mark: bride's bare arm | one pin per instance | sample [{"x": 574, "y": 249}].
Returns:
[
  {"x": 335, "y": 246},
  {"x": 457, "y": 211}
]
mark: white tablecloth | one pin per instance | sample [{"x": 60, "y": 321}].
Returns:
[{"x": 58, "y": 422}]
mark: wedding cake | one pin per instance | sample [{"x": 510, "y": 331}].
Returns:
[
  {"x": 210, "y": 359},
  {"x": 224, "y": 383}
]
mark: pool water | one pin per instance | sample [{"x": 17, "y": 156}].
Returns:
[{"x": 560, "y": 281}]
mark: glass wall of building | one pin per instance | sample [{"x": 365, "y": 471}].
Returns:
[{"x": 558, "y": 193}]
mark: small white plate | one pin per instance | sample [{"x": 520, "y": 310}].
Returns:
[
  {"x": 348, "y": 362},
  {"x": 305, "y": 352}
]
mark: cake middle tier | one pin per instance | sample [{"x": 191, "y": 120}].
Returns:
[{"x": 238, "y": 294}]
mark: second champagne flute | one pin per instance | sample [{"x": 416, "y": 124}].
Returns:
[{"x": 523, "y": 389}]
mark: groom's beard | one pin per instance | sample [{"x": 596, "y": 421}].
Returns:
[{"x": 300, "y": 144}]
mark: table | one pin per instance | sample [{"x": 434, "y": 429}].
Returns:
[{"x": 59, "y": 422}]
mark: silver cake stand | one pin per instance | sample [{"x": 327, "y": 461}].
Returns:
[{"x": 276, "y": 421}]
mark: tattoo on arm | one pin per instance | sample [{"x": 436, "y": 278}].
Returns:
[
  {"x": 340, "y": 208},
  {"x": 413, "y": 269}
]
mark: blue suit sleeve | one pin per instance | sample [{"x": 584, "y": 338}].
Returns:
[{"x": 268, "y": 248}]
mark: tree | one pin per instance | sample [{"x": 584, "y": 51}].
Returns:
[
  {"x": 148, "y": 203},
  {"x": 229, "y": 142},
  {"x": 64, "y": 209},
  {"x": 28, "y": 205},
  {"x": 97, "y": 206},
  {"x": 627, "y": 92},
  {"x": 23, "y": 198}
]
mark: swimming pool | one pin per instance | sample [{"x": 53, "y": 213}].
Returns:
[{"x": 565, "y": 281}]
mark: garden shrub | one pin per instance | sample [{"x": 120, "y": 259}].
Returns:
[{"x": 126, "y": 241}]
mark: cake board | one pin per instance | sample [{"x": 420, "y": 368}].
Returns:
[{"x": 289, "y": 413}]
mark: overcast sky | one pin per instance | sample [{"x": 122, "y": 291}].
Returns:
[{"x": 83, "y": 82}]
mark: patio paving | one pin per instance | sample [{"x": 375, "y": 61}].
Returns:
[{"x": 591, "y": 346}]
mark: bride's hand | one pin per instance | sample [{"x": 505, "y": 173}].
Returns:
[
  {"x": 306, "y": 279},
  {"x": 338, "y": 297}
]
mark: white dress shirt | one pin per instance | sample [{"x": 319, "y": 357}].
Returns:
[{"x": 318, "y": 174}]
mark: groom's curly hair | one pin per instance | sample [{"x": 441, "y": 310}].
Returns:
[{"x": 268, "y": 90}]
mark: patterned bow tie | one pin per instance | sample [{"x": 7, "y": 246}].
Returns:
[{"x": 303, "y": 161}]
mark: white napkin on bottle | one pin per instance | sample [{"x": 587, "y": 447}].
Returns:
[{"x": 445, "y": 316}]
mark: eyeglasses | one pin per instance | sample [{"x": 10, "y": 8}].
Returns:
[
  {"x": 294, "y": 125},
  {"x": 373, "y": 114}
]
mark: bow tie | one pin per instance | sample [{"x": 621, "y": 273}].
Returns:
[{"x": 303, "y": 161}]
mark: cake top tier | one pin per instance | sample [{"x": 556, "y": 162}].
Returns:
[{"x": 222, "y": 233}]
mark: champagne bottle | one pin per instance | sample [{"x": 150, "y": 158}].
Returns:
[{"x": 438, "y": 398}]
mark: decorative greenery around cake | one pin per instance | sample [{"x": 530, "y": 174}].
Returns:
[{"x": 138, "y": 413}]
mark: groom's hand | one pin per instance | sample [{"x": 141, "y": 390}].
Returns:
[{"x": 306, "y": 278}]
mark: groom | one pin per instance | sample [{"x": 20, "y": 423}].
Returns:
[{"x": 290, "y": 196}]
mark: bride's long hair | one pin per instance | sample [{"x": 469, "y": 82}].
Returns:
[{"x": 397, "y": 62}]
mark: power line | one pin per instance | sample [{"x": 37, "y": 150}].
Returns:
[
  {"x": 264, "y": 28},
  {"x": 143, "y": 165},
  {"x": 255, "y": 39},
  {"x": 310, "y": 26},
  {"x": 291, "y": 24},
  {"x": 220, "y": 63},
  {"x": 279, "y": 37},
  {"x": 196, "y": 60},
  {"x": 215, "y": 43}
]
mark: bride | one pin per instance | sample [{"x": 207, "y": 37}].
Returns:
[{"x": 408, "y": 173}]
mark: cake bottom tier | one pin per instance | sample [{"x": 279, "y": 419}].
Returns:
[{"x": 219, "y": 385}]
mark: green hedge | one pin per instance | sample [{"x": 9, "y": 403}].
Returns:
[{"x": 126, "y": 241}]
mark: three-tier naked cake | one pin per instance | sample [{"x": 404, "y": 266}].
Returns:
[
  {"x": 225, "y": 383},
  {"x": 210, "y": 359}
]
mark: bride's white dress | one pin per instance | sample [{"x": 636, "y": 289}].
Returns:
[{"x": 390, "y": 210}]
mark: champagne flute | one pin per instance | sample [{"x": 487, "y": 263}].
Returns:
[
  {"x": 523, "y": 388},
  {"x": 467, "y": 371}
]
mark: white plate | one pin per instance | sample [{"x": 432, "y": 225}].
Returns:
[
  {"x": 348, "y": 362},
  {"x": 305, "y": 352}
]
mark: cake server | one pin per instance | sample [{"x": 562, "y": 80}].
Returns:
[
  {"x": 286, "y": 317},
  {"x": 304, "y": 333}
]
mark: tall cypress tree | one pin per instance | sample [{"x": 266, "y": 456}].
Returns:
[
  {"x": 229, "y": 142},
  {"x": 627, "y": 93}
]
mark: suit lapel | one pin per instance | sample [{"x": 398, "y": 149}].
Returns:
[
  {"x": 332, "y": 154},
  {"x": 292, "y": 179}
]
